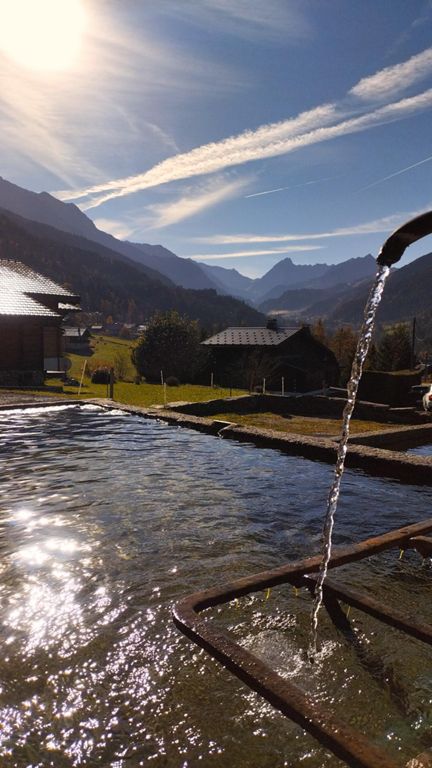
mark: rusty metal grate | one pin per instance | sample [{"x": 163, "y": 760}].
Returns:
[{"x": 345, "y": 742}]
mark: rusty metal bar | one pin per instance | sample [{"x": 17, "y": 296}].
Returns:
[
  {"x": 373, "y": 608},
  {"x": 346, "y": 743}
]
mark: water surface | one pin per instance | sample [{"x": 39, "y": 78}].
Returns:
[{"x": 106, "y": 520}]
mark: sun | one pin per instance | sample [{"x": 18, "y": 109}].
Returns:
[{"x": 42, "y": 34}]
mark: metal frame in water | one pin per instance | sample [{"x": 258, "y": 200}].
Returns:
[{"x": 345, "y": 742}]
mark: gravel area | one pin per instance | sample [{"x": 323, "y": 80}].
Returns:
[{"x": 20, "y": 398}]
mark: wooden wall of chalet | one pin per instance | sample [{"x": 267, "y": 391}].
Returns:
[{"x": 21, "y": 344}]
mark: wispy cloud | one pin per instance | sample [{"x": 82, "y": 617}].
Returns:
[
  {"x": 115, "y": 227},
  {"x": 397, "y": 173},
  {"x": 248, "y": 254},
  {"x": 250, "y": 19},
  {"x": 193, "y": 202},
  {"x": 70, "y": 123},
  {"x": 281, "y": 138},
  {"x": 391, "y": 80},
  {"x": 385, "y": 224},
  {"x": 250, "y": 145}
]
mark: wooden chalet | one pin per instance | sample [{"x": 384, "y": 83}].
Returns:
[
  {"x": 31, "y": 311},
  {"x": 244, "y": 356}
]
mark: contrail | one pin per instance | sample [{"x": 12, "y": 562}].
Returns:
[
  {"x": 267, "y": 141},
  {"x": 397, "y": 173},
  {"x": 292, "y": 186}
]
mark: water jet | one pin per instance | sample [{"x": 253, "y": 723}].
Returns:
[{"x": 345, "y": 742}]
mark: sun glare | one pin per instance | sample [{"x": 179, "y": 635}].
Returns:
[{"x": 42, "y": 34}]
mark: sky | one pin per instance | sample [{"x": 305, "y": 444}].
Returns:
[{"x": 233, "y": 132}]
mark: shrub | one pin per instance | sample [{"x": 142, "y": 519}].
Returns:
[
  {"x": 101, "y": 375},
  {"x": 172, "y": 381}
]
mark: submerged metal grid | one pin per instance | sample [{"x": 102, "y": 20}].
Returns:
[{"x": 345, "y": 742}]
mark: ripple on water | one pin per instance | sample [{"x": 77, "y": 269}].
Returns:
[{"x": 106, "y": 520}]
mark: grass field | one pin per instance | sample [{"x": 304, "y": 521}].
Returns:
[
  {"x": 109, "y": 351},
  {"x": 301, "y": 425}
]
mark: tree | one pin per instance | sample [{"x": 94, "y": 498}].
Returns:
[
  {"x": 170, "y": 344},
  {"x": 121, "y": 365},
  {"x": 394, "y": 349},
  {"x": 319, "y": 332},
  {"x": 343, "y": 344}
]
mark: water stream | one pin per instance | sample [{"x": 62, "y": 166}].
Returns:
[{"x": 332, "y": 502}]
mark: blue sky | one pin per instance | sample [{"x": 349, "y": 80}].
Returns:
[{"x": 236, "y": 132}]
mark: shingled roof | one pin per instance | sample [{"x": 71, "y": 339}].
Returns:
[
  {"x": 22, "y": 291},
  {"x": 250, "y": 337}
]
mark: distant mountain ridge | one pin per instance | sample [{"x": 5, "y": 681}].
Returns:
[
  {"x": 67, "y": 217},
  {"x": 110, "y": 283},
  {"x": 341, "y": 288},
  {"x": 46, "y": 209}
]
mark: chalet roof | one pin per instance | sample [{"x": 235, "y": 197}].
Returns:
[
  {"x": 18, "y": 304},
  {"x": 22, "y": 291},
  {"x": 74, "y": 332},
  {"x": 19, "y": 277},
  {"x": 251, "y": 337}
]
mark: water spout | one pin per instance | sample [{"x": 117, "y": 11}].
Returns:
[
  {"x": 401, "y": 238},
  {"x": 390, "y": 253}
]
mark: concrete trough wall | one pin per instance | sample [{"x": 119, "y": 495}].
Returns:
[{"x": 320, "y": 406}]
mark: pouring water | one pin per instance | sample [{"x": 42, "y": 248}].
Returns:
[{"x": 390, "y": 253}]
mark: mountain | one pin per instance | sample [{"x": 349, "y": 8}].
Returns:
[
  {"x": 184, "y": 272},
  {"x": 295, "y": 299},
  {"x": 347, "y": 272},
  {"x": 66, "y": 238},
  {"x": 287, "y": 274},
  {"x": 67, "y": 217},
  {"x": 229, "y": 280},
  {"x": 112, "y": 284},
  {"x": 407, "y": 292}
]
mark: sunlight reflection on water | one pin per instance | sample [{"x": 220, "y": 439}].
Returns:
[{"x": 106, "y": 520}]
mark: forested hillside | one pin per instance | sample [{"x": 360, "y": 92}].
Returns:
[{"x": 114, "y": 285}]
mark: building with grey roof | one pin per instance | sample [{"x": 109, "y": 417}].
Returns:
[
  {"x": 32, "y": 307},
  {"x": 245, "y": 356}
]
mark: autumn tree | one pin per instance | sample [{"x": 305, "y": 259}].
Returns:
[
  {"x": 319, "y": 332},
  {"x": 170, "y": 344},
  {"x": 343, "y": 344}
]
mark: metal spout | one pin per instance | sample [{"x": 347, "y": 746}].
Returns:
[{"x": 401, "y": 238}]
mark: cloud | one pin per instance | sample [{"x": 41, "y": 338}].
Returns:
[
  {"x": 385, "y": 224},
  {"x": 306, "y": 129},
  {"x": 210, "y": 158},
  {"x": 276, "y": 20},
  {"x": 69, "y": 123},
  {"x": 246, "y": 254},
  {"x": 114, "y": 227},
  {"x": 392, "y": 80},
  {"x": 191, "y": 203}
]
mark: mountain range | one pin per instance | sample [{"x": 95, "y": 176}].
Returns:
[
  {"x": 44, "y": 208},
  {"x": 135, "y": 279}
]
